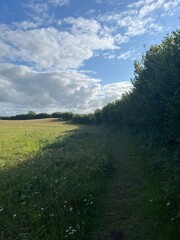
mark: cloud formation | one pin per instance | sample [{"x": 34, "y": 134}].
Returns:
[
  {"x": 59, "y": 89},
  {"x": 46, "y": 48},
  {"x": 41, "y": 55},
  {"x": 114, "y": 91},
  {"x": 130, "y": 54},
  {"x": 141, "y": 16},
  {"x": 21, "y": 84},
  {"x": 58, "y": 2}
]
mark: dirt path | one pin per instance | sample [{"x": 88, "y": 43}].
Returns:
[{"x": 120, "y": 219}]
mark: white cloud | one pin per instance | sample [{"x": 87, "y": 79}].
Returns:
[
  {"x": 149, "y": 8},
  {"x": 109, "y": 56},
  {"x": 58, "y": 2},
  {"x": 129, "y": 21},
  {"x": 5, "y": 49},
  {"x": 141, "y": 16},
  {"x": 82, "y": 25},
  {"x": 90, "y": 12},
  {"x": 109, "y": 2},
  {"x": 114, "y": 91},
  {"x": 22, "y": 85},
  {"x": 171, "y": 6},
  {"x": 58, "y": 90},
  {"x": 37, "y": 7},
  {"x": 51, "y": 48},
  {"x": 54, "y": 55},
  {"x": 121, "y": 39},
  {"x": 140, "y": 3},
  {"x": 51, "y": 54},
  {"x": 139, "y": 26},
  {"x": 157, "y": 27},
  {"x": 136, "y": 25},
  {"x": 130, "y": 54},
  {"x": 39, "y": 13},
  {"x": 25, "y": 25}
]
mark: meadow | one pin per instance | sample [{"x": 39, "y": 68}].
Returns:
[
  {"x": 52, "y": 176},
  {"x": 62, "y": 181}
]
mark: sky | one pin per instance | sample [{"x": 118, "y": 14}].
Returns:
[{"x": 75, "y": 55}]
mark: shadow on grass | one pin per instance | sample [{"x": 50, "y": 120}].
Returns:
[{"x": 54, "y": 193}]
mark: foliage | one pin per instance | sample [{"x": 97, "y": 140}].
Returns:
[
  {"x": 152, "y": 108},
  {"x": 83, "y": 118},
  {"x": 98, "y": 116},
  {"x": 152, "y": 111},
  {"x": 62, "y": 116}
]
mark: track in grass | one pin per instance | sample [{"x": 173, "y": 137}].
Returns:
[{"x": 135, "y": 205}]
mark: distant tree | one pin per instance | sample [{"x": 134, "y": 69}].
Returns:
[
  {"x": 31, "y": 113},
  {"x": 41, "y": 116},
  {"x": 56, "y": 115}
]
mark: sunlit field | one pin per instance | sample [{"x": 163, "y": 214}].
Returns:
[
  {"x": 51, "y": 177},
  {"x": 19, "y": 140}
]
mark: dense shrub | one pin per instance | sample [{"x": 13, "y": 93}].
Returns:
[
  {"x": 151, "y": 111},
  {"x": 152, "y": 108}
]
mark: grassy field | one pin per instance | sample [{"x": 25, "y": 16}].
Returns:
[
  {"x": 52, "y": 177},
  {"x": 60, "y": 181},
  {"x": 20, "y": 139}
]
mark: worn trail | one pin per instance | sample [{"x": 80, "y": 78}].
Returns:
[{"x": 120, "y": 218}]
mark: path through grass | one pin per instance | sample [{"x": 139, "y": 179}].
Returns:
[
  {"x": 135, "y": 205},
  {"x": 120, "y": 215}
]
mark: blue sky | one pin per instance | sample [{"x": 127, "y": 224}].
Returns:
[{"x": 75, "y": 55}]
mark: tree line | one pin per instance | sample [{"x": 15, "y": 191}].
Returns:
[
  {"x": 151, "y": 108},
  {"x": 153, "y": 105},
  {"x": 151, "y": 112},
  {"x": 61, "y": 116}
]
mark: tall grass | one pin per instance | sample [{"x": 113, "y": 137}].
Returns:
[
  {"x": 159, "y": 205},
  {"x": 52, "y": 177}
]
